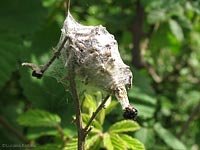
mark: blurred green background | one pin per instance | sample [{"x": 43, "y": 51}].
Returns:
[{"x": 159, "y": 39}]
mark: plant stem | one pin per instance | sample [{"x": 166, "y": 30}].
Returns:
[
  {"x": 81, "y": 138},
  {"x": 38, "y": 71},
  {"x": 82, "y": 132},
  {"x": 96, "y": 112}
]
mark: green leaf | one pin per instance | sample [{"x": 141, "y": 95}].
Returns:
[
  {"x": 18, "y": 21},
  {"x": 101, "y": 116},
  {"x": 124, "y": 126},
  {"x": 168, "y": 137},
  {"x": 142, "y": 96},
  {"x": 156, "y": 16},
  {"x": 89, "y": 104},
  {"x": 146, "y": 136},
  {"x": 9, "y": 53},
  {"x": 90, "y": 141},
  {"x": 53, "y": 146},
  {"x": 71, "y": 144},
  {"x": 97, "y": 126},
  {"x": 30, "y": 13},
  {"x": 97, "y": 144},
  {"x": 107, "y": 143},
  {"x": 111, "y": 106},
  {"x": 176, "y": 30},
  {"x": 117, "y": 142},
  {"x": 38, "y": 118},
  {"x": 132, "y": 143}
]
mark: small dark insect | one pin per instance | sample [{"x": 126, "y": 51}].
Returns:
[{"x": 130, "y": 113}]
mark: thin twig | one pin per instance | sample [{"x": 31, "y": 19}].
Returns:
[
  {"x": 38, "y": 71},
  {"x": 6, "y": 124},
  {"x": 95, "y": 113}
]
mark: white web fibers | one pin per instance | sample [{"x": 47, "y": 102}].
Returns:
[
  {"x": 93, "y": 52},
  {"x": 58, "y": 71}
]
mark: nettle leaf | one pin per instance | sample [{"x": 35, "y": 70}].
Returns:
[
  {"x": 168, "y": 137},
  {"x": 132, "y": 143},
  {"x": 124, "y": 126},
  {"x": 90, "y": 141},
  {"x": 107, "y": 143},
  {"x": 117, "y": 142},
  {"x": 176, "y": 30},
  {"x": 38, "y": 118},
  {"x": 71, "y": 145}
]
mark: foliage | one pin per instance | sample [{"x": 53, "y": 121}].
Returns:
[
  {"x": 40, "y": 118},
  {"x": 165, "y": 91},
  {"x": 111, "y": 137}
]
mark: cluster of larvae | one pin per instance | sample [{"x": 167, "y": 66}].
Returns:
[{"x": 93, "y": 53}]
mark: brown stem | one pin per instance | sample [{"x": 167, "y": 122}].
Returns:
[
  {"x": 38, "y": 71},
  {"x": 82, "y": 132},
  {"x": 60, "y": 130},
  {"x": 6, "y": 124},
  {"x": 95, "y": 113},
  {"x": 190, "y": 119},
  {"x": 137, "y": 35},
  {"x": 81, "y": 137}
]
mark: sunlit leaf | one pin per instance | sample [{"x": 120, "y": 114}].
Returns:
[
  {"x": 124, "y": 126},
  {"x": 101, "y": 116},
  {"x": 89, "y": 104},
  {"x": 132, "y": 143},
  {"x": 38, "y": 118},
  {"x": 155, "y": 16},
  {"x": 97, "y": 126},
  {"x": 107, "y": 143},
  {"x": 97, "y": 144},
  {"x": 90, "y": 141},
  {"x": 71, "y": 145},
  {"x": 117, "y": 142},
  {"x": 176, "y": 30}
]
